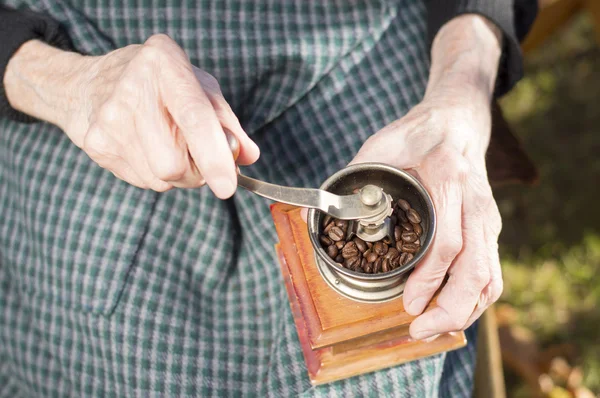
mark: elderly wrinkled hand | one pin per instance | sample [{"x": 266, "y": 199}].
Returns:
[
  {"x": 154, "y": 120},
  {"x": 443, "y": 143}
]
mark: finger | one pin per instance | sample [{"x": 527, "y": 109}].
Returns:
[
  {"x": 442, "y": 177},
  {"x": 126, "y": 173},
  {"x": 105, "y": 151},
  {"x": 136, "y": 158},
  {"x": 469, "y": 275},
  {"x": 193, "y": 113},
  {"x": 492, "y": 292},
  {"x": 249, "y": 151},
  {"x": 164, "y": 146}
]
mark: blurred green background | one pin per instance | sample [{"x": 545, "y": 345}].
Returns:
[{"x": 550, "y": 244}]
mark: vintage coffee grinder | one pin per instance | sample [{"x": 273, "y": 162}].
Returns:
[{"x": 349, "y": 323}]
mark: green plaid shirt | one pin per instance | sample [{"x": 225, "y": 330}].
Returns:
[{"x": 109, "y": 290}]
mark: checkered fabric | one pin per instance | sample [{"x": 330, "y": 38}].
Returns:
[{"x": 109, "y": 290}]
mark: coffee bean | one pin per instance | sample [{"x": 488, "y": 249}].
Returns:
[
  {"x": 413, "y": 216},
  {"x": 388, "y": 241},
  {"x": 403, "y": 204},
  {"x": 339, "y": 259},
  {"x": 409, "y": 237},
  {"x": 328, "y": 227},
  {"x": 380, "y": 248},
  {"x": 363, "y": 263},
  {"x": 360, "y": 244},
  {"x": 332, "y": 251},
  {"x": 369, "y": 245},
  {"x": 395, "y": 262},
  {"x": 385, "y": 265},
  {"x": 340, "y": 244},
  {"x": 405, "y": 258},
  {"x": 394, "y": 219},
  {"x": 336, "y": 234},
  {"x": 399, "y": 245},
  {"x": 401, "y": 217},
  {"x": 418, "y": 243},
  {"x": 392, "y": 252},
  {"x": 343, "y": 224},
  {"x": 397, "y": 233},
  {"x": 368, "y": 268},
  {"x": 350, "y": 250},
  {"x": 418, "y": 229},
  {"x": 325, "y": 241},
  {"x": 352, "y": 263},
  {"x": 409, "y": 247},
  {"x": 377, "y": 265},
  {"x": 406, "y": 226},
  {"x": 326, "y": 220},
  {"x": 370, "y": 256}
]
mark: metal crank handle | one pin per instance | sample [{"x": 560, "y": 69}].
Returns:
[{"x": 369, "y": 202}]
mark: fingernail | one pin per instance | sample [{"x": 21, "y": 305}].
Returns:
[
  {"x": 430, "y": 339},
  {"x": 416, "y": 306},
  {"x": 422, "y": 335},
  {"x": 223, "y": 187}
]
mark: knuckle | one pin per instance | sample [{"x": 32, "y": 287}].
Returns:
[
  {"x": 450, "y": 247},
  {"x": 480, "y": 276},
  {"x": 173, "y": 169},
  {"x": 158, "y": 40},
  {"x": 112, "y": 112},
  {"x": 97, "y": 146},
  {"x": 457, "y": 323},
  {"x": 150, "y": 52}
]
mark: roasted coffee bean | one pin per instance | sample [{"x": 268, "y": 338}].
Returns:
[
  {"x": 418, "y": 243},
  {"x": 328, "y": 227},
  {"x": 394, "y": 219},
  {"x": 339, "y": 259},
  {"x": 409, "y": 247},
  {"x": 403, "y": 204},
  {"x": 325, "y": 241},
  {"x": 388, "y": 241},
  {"x": 401, "y": 217},
  {"x": 340, "y": 244},
  {"x": 370, "y": 256},
  {"x": 336, "y": 234},
  {"x": 352, "y": 263},
  {"x": 363, "y": 263},
  {"x": 377, "y": 265},
  {"x": 397, "y": 233},
  {"x": 350, "y": 250},
  {"x": 369, "y": 245},
  {"x": 343, "y": 224},
  {"x": 405, "y": 258},
  {"x": 418, "y": 229},
  {"x": 385, "y": 265},
  {"x": 399, "y": 245},
  {"x": 406, "y": 227},
  {"x": 392, "y": 252},
  {"x": 368, "y": 268},
  {"x": 409, "y": 237},
  {"x": 326, "y": 220},
  {"x": 380, "y": 248},
  {"x": 395, "y": 262},
  {"x": 413, "y": 216},
  {"x": 332, "y": 251},
  {"x": 360, "y": 244}
]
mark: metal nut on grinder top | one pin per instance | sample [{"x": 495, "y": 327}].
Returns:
[{"x": 388, "y": 271}]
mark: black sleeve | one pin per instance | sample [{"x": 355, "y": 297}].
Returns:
[
  {"x": 513, "y": 17},
  {"x": 17, "y": 27}
]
